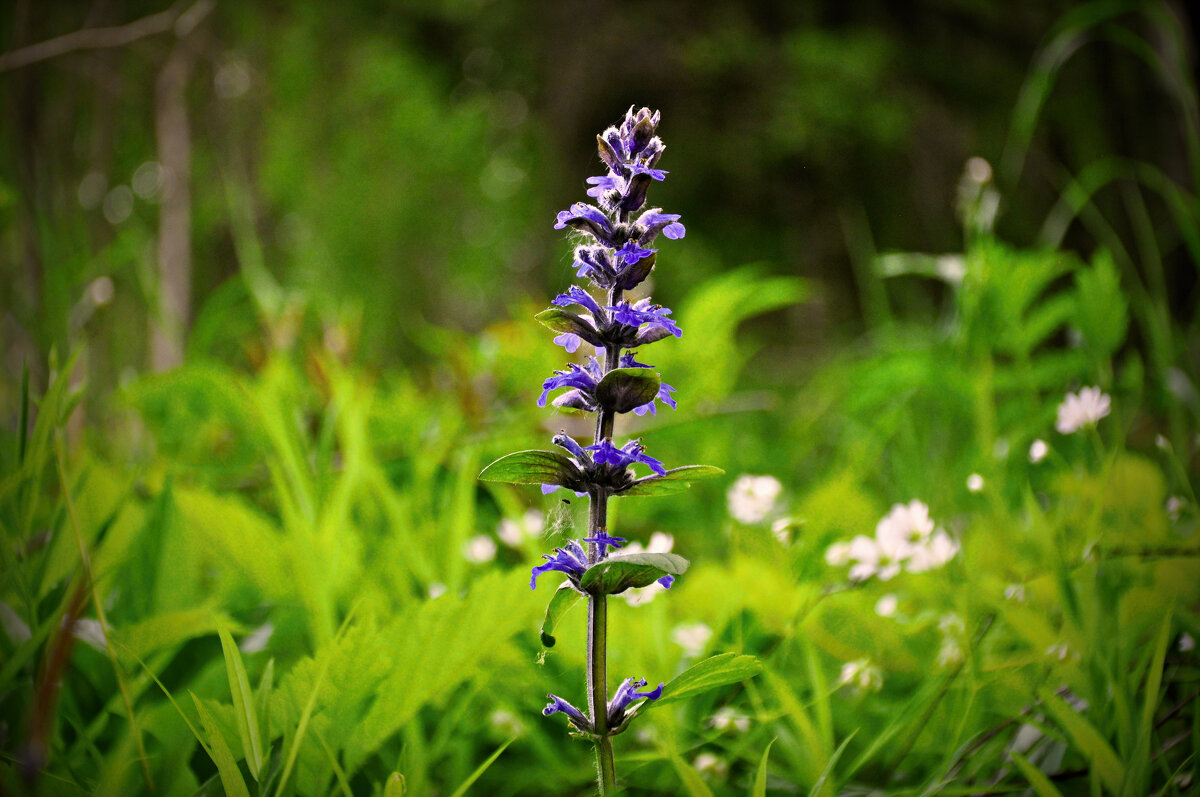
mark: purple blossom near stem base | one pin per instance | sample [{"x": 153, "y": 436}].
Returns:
[
  {"x": 605, "y": 453},
  {"x": 627, "y": 693}
]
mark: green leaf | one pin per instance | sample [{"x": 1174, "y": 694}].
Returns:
[
  {"x": 561, "y": 320},
  {"x": 619, "y": 572},
  {"x": 713, "y": 672},
  {"x": 622, "y": 389},
  {"x": 1086, "y": 739},
  {"x": 534, "y": 467},
  {"x": 263, "y": 701},
  {"x": 243, "y": 703},
  {"x": 564, "y": 598},
  {"x": 1041, "y": 784},
  {"x": 231, "y": 776},
  {"x": 677, "y": 480},
  {"x": 760, "y": 777}
]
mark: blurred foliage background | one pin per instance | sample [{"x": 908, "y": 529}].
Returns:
[{"x": 268, "y": 279}]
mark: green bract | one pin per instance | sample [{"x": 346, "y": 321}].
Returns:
[{"x": 620, "y": 572}]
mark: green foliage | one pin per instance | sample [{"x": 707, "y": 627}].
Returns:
[{"x": 621, "y": 571}]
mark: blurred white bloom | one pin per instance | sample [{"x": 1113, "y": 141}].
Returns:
[
  {"x": 1162, "y": 442},
  {"x": 862, "y": 674},
  {"x": 838, "y": 554},
  {"x": 905, "y": 525},
  {"x": 692, "y": 637},
  {"x": 1081, "y": 409},
  {"x": 506, "y": 722},
  {"x": 950, "y": 653},
  {"x": 513, "y": 532},
  {"x": 479, "y": 549},
  {"x": 975, "y": 483},
  {"x": 709, "y": 763},
  {"x": 101, "y": 291},
  {"x": 89, "y": 632},
  {"x": 257, "y": 639},
  {"x": 659, "y": 543},
  {"x": 436, "y": 590},
  {"x": 782, "y": 529},
  {"x": 645, "y": 734},
  {"x": 951, "y": 623},
  {"x": 1015, "y": 592},
  {"x": 940, "y": 549},
  {"x": 1175, "y": 505},
  {"x": 147, "y": 181},
  {"x": 886, "y": 606},
  {"x": 1186, "y": 642},
  {"x": 1059, "y": 650},
  {"x": 751, "y": 498},
  {"x": 727, "y": 717},
  {"x": 1038, "y": 451}
]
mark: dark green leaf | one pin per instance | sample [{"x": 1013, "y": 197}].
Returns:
[
  {"x": 677, "y": 480},
  {"x": 622, "y": 389},
  {"x": 533, "y": 467},
  {"x": 560, "y": 320},
  {"x": 563, "y": 599},
  {"x": 715, "y": 671},
  {"x": 619, "y": 572}
]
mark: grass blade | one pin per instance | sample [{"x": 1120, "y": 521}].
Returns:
[
  {"x": 222, "y": 756},
  {"x": 243, "y": 702},
  {"x": 474, "y": 776},
  {"x": 760, "y": 777},
  {"x": 1041, "y": 784},
  {"x": 1086, "y": 739}
]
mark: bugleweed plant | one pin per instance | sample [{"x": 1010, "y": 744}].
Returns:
[{"x": 616, "y": 257}]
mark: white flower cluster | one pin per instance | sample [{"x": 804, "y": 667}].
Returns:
[
  {"x": 904, "y": 539},
  {"x": 862, "y": 674},
  {"x": 1081, "y": 409},
  {"x": 752, "y": 498},
  {"x": 692, "y": 637}
]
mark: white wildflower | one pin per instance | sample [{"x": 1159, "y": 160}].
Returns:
[
  {"x": 752, "y": 498},
  {"x": 89, "y": 632},
  {"x": 514, "y": 532},
  {"x": 940, "y": 549},
  {"x": 436, "y": 590},
  {"x": 886, "y": 606},
  {"x": 950, "y": 653},
  {"x": 862, "y": 674},
  {"x": 1059, "y": 650},
  {"x": 904, "y": 526},
  {"x": 975, "y": 483},
  {"x": 1038, "y": 451},
  {"x": 1015, "y": 592},
  {"x": 257, "y": 639},
  {"x": 782, "y": 529},
  {"x": 1175, "y": 505},
  {"x": 506, "y": 722},
  {"x": 1081, "y": 409},
  {"x": 1186, "y": 642},
  {"x": 710, "y": 764},
  {"x": 726, "y": 718},
  {"x": 479, "y": 549},
  {"x": 692, "y": 637}
]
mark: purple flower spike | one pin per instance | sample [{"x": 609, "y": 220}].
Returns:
[
  {"x": 570, "y": 559},
  {"x": 643, "y": 312},
  {"x": 627, "y": 693},
  {"x": 654, "y": 221},
  {"x": 631, "y": 253},
  {"x": 587, "y": 219},
  {"x": 582, "y": 378},
  {"x": 605, "y": 453},
  {"x": 569, "y": 341},
  {"x": 602, "y": 539},
  {"x": 577, "y": 295},
  {"x": 557, "y": 704}
]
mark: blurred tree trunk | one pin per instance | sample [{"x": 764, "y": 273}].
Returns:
[{"x": 174, "y": 138}]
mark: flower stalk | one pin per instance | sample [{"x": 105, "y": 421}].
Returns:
[{"x": 615, "y": 258}]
